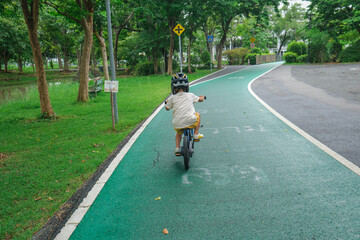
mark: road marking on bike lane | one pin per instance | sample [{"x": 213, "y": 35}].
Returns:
[{"x": 316, "y": 142}]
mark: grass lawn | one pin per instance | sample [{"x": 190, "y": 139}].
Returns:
[{"x": 43, "y": 162}]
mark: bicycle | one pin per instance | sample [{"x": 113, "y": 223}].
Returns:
[{"x": 187, "y": 149}]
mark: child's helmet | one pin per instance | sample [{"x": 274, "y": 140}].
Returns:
[{"x": 180, "y": 80}]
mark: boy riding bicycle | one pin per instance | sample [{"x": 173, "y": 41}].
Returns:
[{"x": 182, "y": 103}]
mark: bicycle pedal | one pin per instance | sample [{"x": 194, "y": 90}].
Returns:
[
  {"x": 196, "y": 140},
  {"x": 178, "y": 154}
]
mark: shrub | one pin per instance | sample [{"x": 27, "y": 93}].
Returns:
[
  {"x": 144, "y": 68},
  {"x": 252, "y": 58},
  {"x": 335, "y": 49},
  {"x": 351, "y": 53},
  {"x": 205, "y": 58},
  {"x": 186, "y": 69},
  {"x": 290, "y": 57},
  {"x": 299, "y": 48},
  {"x": 318, "y": 46},
  {"x": 302, "y": 58},
  {"x": 236, "y": 56},
  {"x": 256, "y": 51}
]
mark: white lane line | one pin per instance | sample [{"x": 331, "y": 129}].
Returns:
[
  {"x": 317, "y": 143},
  {"x": 195, "y": 82}
]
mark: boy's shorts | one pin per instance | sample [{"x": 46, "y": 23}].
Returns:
[{"x": 181, "y": 130}]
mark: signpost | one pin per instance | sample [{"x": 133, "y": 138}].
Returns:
[
  {"x": 210, "y": 39},
  {"x": 179, "y": 30},
  {"x": 114, "y": 109},
  {"x": 252, "y": 44}
]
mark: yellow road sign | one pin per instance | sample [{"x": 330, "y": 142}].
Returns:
[
  {"x": 179, "y": 29},
  {"x": 252, "y": 39}
]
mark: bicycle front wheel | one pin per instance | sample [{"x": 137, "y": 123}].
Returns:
[{"x": 186, "y": 152}]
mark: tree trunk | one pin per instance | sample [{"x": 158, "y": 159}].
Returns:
[
  {"x": 19, "y": 62},
  {"x": 94, "y": 58},
  {"x": 32, "y": 19},
  {"x": 219, "y": 51},
  {"x": 46, "y": 63},
  {"x": 33, "y": 67},
  {"x": 59, "y": 60},
  {"x": 102, "y": 43},
  {"x": 117, "y": 37},
  {"x": 78, "y": 55},
  {"x": 87, "y": 24},
  {"x": 6, "y": 65},
  {"x": 282, "y": 43},
  {"x": 171, "y": 48},
  {"x": 225, "y": 29},
  {"x": 66, "y": 62},
  {"x": 155, "y": 61}
]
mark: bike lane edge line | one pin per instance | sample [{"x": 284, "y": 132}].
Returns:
[{"x": 313, "y": 140}]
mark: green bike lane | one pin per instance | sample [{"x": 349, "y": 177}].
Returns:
[{"x": 251, "y": 177}]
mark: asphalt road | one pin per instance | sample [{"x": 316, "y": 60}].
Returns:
[
  {"x": 251, "y": 177},
  {"x": 323, "y": 100}
]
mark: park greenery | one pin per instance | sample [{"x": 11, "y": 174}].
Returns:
[{"x": 53, "y": 137}]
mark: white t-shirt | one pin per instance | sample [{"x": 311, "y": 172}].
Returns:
[{"x": 182, "y": 104}]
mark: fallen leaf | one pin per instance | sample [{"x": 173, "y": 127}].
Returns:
[
  {"x": 158, "y": 198},
  {"x": 165, "y": 231},
  {"x": 37, "y": 199},
  {"x": 50, "y": 198}
]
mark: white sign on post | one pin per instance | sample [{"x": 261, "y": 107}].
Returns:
[{"x": 111, "y": 86}]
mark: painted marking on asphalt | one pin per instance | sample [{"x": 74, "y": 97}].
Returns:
[
  {"x": 236, "y": 128},
  {"x": 317, "y": 143}
]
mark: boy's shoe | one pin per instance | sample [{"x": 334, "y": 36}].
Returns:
[
  {"x": 177, "y": 152},
  {"x": 197, "y": 137}
]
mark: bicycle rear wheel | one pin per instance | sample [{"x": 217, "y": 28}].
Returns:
[{"x": 186, "y": 152}]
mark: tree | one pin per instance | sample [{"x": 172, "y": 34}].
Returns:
[
  {"x": 81, "y": 12},
  {"x": 288, "y": 25},
  {"x": 226, "y": 11},
  {"x": 336, "y": 16},
  {"x": 31, "y": 16},
  {"x": 7, "y": 32},
  {"x": 58, "y": 35},
  {"x": 194, "y": 10}
]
